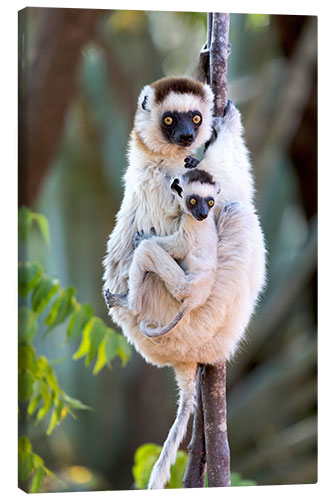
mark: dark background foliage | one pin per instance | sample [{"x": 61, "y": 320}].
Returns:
[{"x": 80, "y": 72}]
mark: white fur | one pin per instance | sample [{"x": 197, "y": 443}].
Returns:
[{"x": 212, "y": 332}]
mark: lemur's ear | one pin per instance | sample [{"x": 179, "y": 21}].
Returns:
[
  {"x": 218, "y": 187},
  {"x": 144, "y": 103},
  {"x": 175, "y": 186},
  {"x": 145, "y": 98}
]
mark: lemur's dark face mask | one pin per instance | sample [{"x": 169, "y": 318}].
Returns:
[{"x": 181, "y": 128}]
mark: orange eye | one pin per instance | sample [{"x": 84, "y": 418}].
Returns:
[
  {"x": 168, "y": 120},
  {"x": 211, "y": 203},
  {"x": 196, "y": 119}
]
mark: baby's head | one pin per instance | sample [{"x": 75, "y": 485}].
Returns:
[{"x": 197, "y": 192}]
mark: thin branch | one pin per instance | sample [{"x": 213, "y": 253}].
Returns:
[
  {"x": 218, "y": 60},
  {"x": 213, "y": 391},
  {"x": 196, "y": 467}
]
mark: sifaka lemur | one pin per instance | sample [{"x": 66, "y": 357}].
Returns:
[
  {"x": 173, "y": 119},
  {"x": 185, "y": 261}
]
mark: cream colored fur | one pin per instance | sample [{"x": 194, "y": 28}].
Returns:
[
  {"x": 194, "y": 246},
  {"x": 212, "y": 332}
]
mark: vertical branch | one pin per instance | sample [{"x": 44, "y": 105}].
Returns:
[
  {"x": 218, "y": 60},
  {"x": 213, "y": 388},
  {"x": 196, "y": 467},
  {"x": 209, "y": 441}
]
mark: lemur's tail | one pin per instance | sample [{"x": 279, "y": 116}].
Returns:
[
  {"x": 186, "y": 378},
  {"x": 159, "y": 332}
]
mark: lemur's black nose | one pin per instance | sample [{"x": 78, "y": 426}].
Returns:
[
  {"x": 186, "y": 139},
  {"x": 202, "y": 216}
]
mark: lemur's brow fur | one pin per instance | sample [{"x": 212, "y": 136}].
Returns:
[
  {"x": 164, "y": 86},
  {"x": 197, "y": 175}
]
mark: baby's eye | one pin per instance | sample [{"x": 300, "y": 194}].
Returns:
[
  {"x": 168, "y": 120},
  {"x": 211, "y": 203},
  {"x": 193, "y": 201}
]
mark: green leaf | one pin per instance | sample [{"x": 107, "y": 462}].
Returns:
[
  {"x": 26, "y": 357},
  {"x": 35, "y": 397},
  {"x": 107, "y": 350},
  {"x": 28, "y": 277},
  {"x": 177, "y": 470},
  {"x": 25, "y": 385},
  {"x": 43, "y": 293},
  {"x": 112, "y": 341},
  {"x": 144, "y": 460},
  {"x": 93, "y": 334},
  {"x": 43, "y": 226},
  {"x": 24, "y": 446},
  {"x": 27, "y": 325},
  {"x": 25, "y": 467},
  {"x": 37, "y": 480},
  {"x": 124, "y": 350},
  {"x": 78, "y": 321},
  {"x": 61, "y": 308},
  {"x": 24, "y": 222},
  {"x": 48, "y": 401},
  {"x": 75, "y": 403},
  {"x": 55, "y": 418},
  {"x": 101, "y": 357},
  {"x": 85, "y": 342},
  {"x": 97, "y": 333}
]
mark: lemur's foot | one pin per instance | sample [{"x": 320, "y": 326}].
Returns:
[
  {"x": 191, "y": 162},
  {"x": 115, "y": 299},
  {"x": 140, "y": 236}
]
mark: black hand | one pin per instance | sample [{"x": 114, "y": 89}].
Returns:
[{"x": 191, "y": 162}]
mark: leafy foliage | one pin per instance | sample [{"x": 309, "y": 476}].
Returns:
[
  {"x": 46, "y": 305},
  {"x": 31, "y": 466},
  {"x": 146, "y": 456}
]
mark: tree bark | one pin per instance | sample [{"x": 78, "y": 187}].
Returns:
[
  {"x": 196, "y": 467},
  {"x": 213, "y": 390},
  {"x": 210, "y": 443}
]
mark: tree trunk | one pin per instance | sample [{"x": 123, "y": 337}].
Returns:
[{"x": 210, "y": 441}]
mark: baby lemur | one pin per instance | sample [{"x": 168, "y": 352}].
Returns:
[{"x": 193, "y": 246}]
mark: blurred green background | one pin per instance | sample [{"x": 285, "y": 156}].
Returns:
[{"x": 80, "y": 73}]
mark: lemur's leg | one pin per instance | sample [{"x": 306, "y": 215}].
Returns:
[{"x": 150, "y": 257}]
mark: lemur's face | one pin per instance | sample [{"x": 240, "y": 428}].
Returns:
[
  {"x": 181, "y": 128},
  {"x": 197, "y": 193},
  {"x": 174, "y": 116},
  {"x": 199, "y": 206}
]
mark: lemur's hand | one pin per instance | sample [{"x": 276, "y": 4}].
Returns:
[
  {"x": 140, "y": 236},
  {"x": 218, "y": 122},
  {"x": 191, "y": 162}
]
